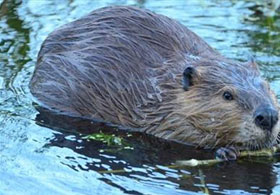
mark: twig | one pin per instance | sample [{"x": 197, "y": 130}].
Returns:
[{"x": 194, "y": 162}]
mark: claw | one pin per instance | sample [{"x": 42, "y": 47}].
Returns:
[{"x": 227, "y": 154}]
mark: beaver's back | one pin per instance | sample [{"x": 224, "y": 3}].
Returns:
[{"x": 111, "y": 65}]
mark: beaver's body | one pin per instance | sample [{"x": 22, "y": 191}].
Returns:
[{"x": 125, "y": 65}]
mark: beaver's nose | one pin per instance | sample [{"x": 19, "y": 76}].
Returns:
[{"x": 266, "y": 118}]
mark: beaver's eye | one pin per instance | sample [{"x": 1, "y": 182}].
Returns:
[{"x": 227, "y": 96}]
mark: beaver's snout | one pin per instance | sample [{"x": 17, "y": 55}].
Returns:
[{"x": 266, "y": 118}]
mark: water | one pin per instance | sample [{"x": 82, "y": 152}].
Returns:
[{"x": 46, "y": 154}]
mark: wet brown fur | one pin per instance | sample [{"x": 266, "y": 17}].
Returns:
[{"x": 124, "y": 65}]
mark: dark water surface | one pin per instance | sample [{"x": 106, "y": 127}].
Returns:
[{"x": 47, "y": 154}]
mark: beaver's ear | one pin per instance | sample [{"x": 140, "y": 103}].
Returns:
[{"x": 188, "y": 77}]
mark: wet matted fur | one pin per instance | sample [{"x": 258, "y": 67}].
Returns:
[{"x": 124, "y": 65}]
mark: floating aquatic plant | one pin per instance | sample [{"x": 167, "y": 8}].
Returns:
[{"x": 109, "y": 140}]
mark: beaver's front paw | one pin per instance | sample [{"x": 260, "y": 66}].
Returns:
[{"x": 229, "y": 153}]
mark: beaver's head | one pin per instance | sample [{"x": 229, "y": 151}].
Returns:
[{"x": 229, "y": 103}]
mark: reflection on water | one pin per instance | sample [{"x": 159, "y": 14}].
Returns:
[{"x": 49, "y": 154}]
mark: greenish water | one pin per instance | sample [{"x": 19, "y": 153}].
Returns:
[{"x": 39, "y": 156}]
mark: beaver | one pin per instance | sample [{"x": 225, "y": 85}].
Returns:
[{"x": 145, "y": 72}]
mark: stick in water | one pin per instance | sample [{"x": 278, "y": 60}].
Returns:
[{"x": 265, "y": 152}]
